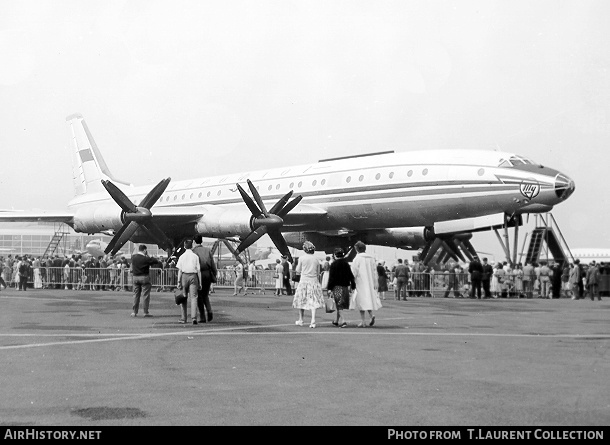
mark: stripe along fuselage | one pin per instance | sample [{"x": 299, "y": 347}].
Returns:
[{"x": 403, "y": 189}]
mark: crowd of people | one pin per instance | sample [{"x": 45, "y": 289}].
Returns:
[
  {"x": 359, "y": 285},
  {"x": 68, "y": 272}
]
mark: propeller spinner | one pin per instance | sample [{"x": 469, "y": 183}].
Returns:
[
  {"x": 137, "y": 217},
  {"x": 269, "y": 222}
]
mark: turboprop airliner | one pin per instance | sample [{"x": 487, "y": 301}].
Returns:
[{"x": 404, "y": 199}]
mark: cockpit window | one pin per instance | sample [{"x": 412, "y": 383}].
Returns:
[
  {"x": 515, "y": 160},
  {"x": 520, "y": 160}
]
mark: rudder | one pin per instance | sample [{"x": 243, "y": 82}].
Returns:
[{"x": 88, "y": 165}]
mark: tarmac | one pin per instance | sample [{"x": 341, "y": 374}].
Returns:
[{"x": 77, "y": 358}]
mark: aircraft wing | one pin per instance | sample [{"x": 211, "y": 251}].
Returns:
[
  {"x": 179, "y": 215},
  {"x": 303, "y": 214},
  {"x": 63, "y": 216}
]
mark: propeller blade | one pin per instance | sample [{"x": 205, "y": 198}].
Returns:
[
  {"x": 158, "y": 235},
  {"x": 123, "y": 237},
  {"x": 114, "y": 239},
  {"x": 119, "y": 197},
  {"x": 251, "y": 238},
  {"x": 251, "y": 205},
  {"x": 281, "y": 203},
  {"x": 257, "y": 197},
  {"x": 291, "y": 205},
  {"x": 151, "y": 198},
  {"x": 280, "y": 243}
]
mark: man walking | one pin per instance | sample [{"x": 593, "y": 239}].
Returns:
[
  {"x": 189, "y": 279},
  {"x": 286, "y": 275},
  {"x": 486, "y": 274},
  {"x": 593, "y": 279},
  {"x": 402, "y": 280},
  {"x": 545, "y": 280},
  {"x": 140, "y": 269},
  {"x": 528, "y": 280},
  {"x": 476, "y": 271},
  {"x": 208, "y": 276}
]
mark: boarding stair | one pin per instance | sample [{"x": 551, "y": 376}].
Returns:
[
  {"x": 243, "y": 258},
  {"x": 58, "y": 236},
  {"x": 547, "y": 239}
]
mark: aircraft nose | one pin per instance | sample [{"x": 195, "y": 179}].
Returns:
[{"x": 564, "y": 186}]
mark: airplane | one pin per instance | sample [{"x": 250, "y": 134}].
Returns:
[
  {"x": 96, "y": 248},
  {"x": 409, "y": 200}
]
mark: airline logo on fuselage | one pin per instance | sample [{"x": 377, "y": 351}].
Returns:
[{"x": 529, "y": 188}]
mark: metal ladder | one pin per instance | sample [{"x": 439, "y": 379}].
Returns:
[
  {"x": 548, "y": 234},
  {"x": 55, "y": 240}
]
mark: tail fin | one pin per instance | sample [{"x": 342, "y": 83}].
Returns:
[{"x": 88, "y": 165}]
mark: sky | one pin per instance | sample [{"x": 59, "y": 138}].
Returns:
[{"x": 195, "y": 88}]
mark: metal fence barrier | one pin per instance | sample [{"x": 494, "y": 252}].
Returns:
[
  {"x": 420, "y": 284},
  {"x": 82, "y": 278}
]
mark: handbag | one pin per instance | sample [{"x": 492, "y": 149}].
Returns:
[
  {"x": 179, "y": 297},
  {"x": 352, "y": 300},
  {"x": 330, "y": 305}
]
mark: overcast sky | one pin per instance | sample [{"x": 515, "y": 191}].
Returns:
[{"x": 194, "y": 88}]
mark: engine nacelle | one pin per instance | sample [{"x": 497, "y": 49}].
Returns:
[
  {"x": 220, "y": 223},
  {"x": 95, "y": 219},
  {"x": 407, "y": 238}
]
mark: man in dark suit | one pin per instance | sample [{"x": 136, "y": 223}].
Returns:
[
  {"x": 476, "y": 271},
  {"x": 286, "y": 276},
  {"x": 208, "y": 276},
  {"x": 486, "y": 275}
]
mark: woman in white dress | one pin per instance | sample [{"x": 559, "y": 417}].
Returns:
[
  {"x": 364, "y": 269},
  {"x": 279, "y": 271},
  {"x": 308, "y": 295},
  {"x": 500, "y": 275},
  {"x": 16, "y": 277},
  {"x": 37, "y": 277},
  {"x": 325, "y": 271},
  {"x": 494, "y": 285},
  {"x": 518, "y": 280}
]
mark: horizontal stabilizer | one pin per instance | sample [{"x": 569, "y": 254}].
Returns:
[{"x": 42, "y": 216}]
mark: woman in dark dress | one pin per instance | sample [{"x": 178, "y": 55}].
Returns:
[
  {"x": 382, "y": 280},
  {"x": 340, "y": 281}
]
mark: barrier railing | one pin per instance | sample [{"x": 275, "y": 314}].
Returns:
[
  {"x": 79, "y": 278},
  {"x": 420, "y": 284}
]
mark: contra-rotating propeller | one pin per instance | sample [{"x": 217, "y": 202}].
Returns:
[
  {"x": 264, "y": 221},
  {"x": 135, "y": 217}
]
